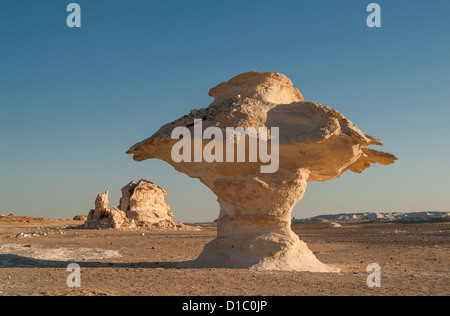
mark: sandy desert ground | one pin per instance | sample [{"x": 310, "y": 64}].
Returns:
[{"x": 414, "y": 260}]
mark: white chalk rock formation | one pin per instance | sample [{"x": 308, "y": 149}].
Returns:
[
  {"x": 103, "y": 218},
  {"x": 99, "y": 217},
  {"x": 145, "y": 203},
  {"x": 316, "y": 143}
]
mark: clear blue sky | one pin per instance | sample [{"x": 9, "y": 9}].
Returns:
[{"x": 72, "y": 101}]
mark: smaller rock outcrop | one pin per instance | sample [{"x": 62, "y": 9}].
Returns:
[
  {"x": 103, "y": 218},
  {"x": 80, "y": 218},
  {"x": 142, "y": 205},
  {"x": 119, "y": 219},
  {"x": 145, "y": 203}
]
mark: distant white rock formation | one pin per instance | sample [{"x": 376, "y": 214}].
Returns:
[
  {"x": 142, "y": 206},
  {"x": 145, "y": 203},
  {"x": 378, "y": 217}
]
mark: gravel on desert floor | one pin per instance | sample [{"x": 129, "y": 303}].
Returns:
[{"x": 34, "y": 254}]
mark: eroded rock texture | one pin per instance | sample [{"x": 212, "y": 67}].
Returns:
[
  {"x": 316, "y": 143},
  {"x": 145, "y": 203},
  {"x": 103, "y": 218},
  {"x": 142, "y": 206}
]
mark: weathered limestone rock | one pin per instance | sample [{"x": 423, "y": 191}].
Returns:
[
  {"x": 316, "y": 143},
  {"x": 101, "y": 206},
  {"x": 103, "y": 218},
  {"x": 119, "y": 219},
  {"x": 80, "y": 218},
  {"x": 99, "y": 218},
  {"x": 142, "y": 206},
  {"x": 145, "y": 203}
]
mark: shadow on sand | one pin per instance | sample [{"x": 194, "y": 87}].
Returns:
[{"x": 16, "y": 261}]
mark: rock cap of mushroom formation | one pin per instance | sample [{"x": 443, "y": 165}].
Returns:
[
  {"x": 254, "y": 100},
  {"x": 269, "y": 86},
  {"x": 316, "y": 143}
]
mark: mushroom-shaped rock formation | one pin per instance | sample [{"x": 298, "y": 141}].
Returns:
[{"x": 313, "y": 143}]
